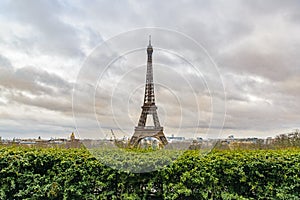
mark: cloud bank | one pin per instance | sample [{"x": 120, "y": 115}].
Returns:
[{"x": 255, "y": 44}]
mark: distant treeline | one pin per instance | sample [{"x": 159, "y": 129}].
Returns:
[
  {"x": 281, "y": 141},
  {"x": 288, "y": 140}
]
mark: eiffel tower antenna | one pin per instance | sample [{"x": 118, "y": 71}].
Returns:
[{"x": 142, "y": 131}]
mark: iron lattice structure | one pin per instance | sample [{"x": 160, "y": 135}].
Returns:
[{"x": 149, "y": 108}]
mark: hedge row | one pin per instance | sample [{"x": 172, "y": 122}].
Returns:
[{"x": 33, "y": 173}]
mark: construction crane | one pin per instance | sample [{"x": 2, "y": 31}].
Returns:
[{"x": 112, "y": 132}]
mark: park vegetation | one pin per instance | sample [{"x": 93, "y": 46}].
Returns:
[{"x": 59, "y": 173}]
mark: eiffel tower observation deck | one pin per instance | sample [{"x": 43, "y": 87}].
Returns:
[{"x": 142, "y": 131}]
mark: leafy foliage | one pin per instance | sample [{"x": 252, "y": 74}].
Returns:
[{"x": 50, "y": 173}]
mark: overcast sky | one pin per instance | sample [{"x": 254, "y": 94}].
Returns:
[{"x": 46, "y": 45}]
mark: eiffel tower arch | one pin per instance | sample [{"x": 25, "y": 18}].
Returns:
[{"x": 149, "y": 108}]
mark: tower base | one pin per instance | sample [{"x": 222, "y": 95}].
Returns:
[{"x": 143, "y": 132}]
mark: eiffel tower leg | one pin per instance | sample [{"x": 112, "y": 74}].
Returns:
[
  {"x": 161, "y": 137},
  {"x": 155, "y": 119},
  {"x": 133, "y": 141},
  {"x": 143, "y": 118}
]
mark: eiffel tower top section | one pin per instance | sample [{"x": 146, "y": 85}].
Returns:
[
  {"x": 149, "y": 50},
  {"x": 149, "y": 98}
]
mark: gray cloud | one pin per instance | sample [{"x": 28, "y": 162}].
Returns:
[
  {"x": 35, "y": 87},
  {"x": 50, "y": 33},
  {"x": 254, "y": 43},
  {"x": 4, "y": 63}
]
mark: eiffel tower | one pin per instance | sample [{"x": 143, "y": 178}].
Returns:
[{"x": 149, "y": 108}]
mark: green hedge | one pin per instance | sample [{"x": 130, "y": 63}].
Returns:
[{"x": 32, "y": 173}]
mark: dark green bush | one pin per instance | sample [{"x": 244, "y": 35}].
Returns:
[{"x": 37, "y": 173}]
